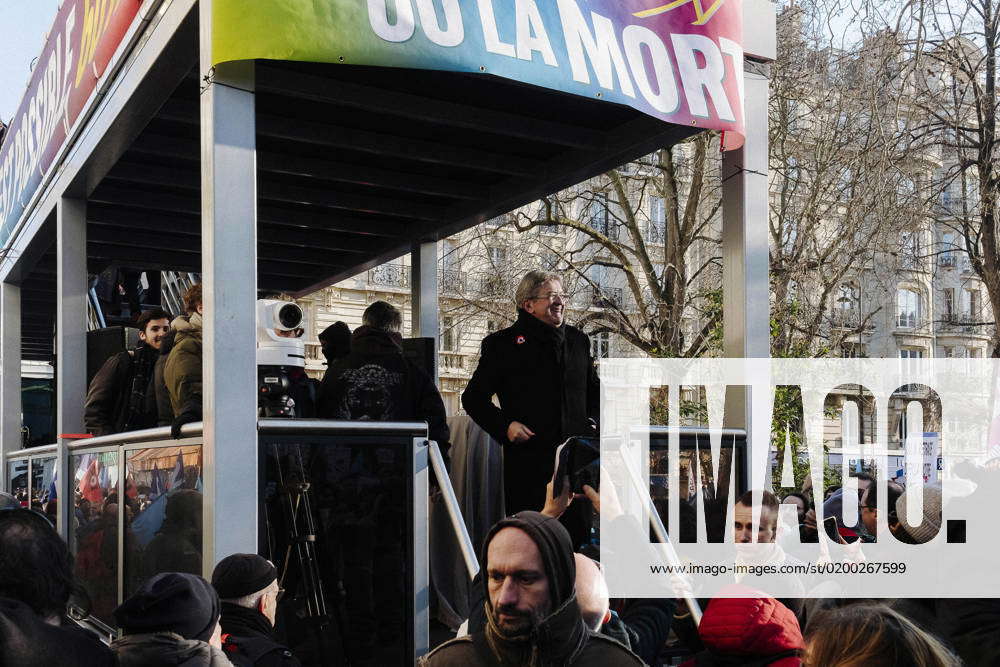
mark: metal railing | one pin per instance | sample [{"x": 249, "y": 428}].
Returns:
[
  {"x": 117, "y": 456},
  {"x": 452, "y": 281},
  {"x": 390, "y": 275},
  {"x": 606, "y": 297}
]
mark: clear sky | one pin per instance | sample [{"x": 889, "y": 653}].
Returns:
[{"x": 23, "y": 26}]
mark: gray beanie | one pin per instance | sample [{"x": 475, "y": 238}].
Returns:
[{"x": 931, "y": 523}]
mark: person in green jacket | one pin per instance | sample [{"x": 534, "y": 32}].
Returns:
[{"x": 182, "y": 369}]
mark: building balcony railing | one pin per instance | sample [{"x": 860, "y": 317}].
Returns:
[
  {"x": 606, "y": 297},
  {"x": 452, "y": 362},
  {"x": 947, "y": 261},
  {"x": 390, "y": 275},
  {"x": 490, "y": 286},
  {"x": 846, "y": 318},
  {"x": 452, "y": 281}
]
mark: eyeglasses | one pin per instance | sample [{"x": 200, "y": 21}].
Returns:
[
  {"x": 278, "y": 594},
  {"x": 552, "y": 296}
]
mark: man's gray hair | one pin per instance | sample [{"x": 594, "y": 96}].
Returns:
[
  {"x": 249, "y": 601},
  {"x": 383, "y": 316},
  {"x": 531, "y": 282}
]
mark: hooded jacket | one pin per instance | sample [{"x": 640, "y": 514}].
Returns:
[
  {"x": 166, "y": 649},
  {"x": 544, "y": 378},
  {"x": 376, "y": 382},
  {"x": 182, "y": 370},
  {"x": 164, "y": 409},
  {"x": 561, "y": 639},
  {"x": 749, "y": 632},
  {"x": 28, "y": 641}
]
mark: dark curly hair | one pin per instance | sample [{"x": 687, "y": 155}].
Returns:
[{"x": 36, "y": 567}]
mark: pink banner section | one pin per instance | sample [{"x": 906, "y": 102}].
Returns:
[{"x": 79, "y": 48}]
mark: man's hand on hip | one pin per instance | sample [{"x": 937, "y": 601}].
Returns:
[{"x": 518, "y": 432}]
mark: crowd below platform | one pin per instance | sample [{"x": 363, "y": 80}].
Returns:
[{"x": 540, "y": 599}]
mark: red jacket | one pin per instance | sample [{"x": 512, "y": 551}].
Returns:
[{"x": 756, "y": 628}]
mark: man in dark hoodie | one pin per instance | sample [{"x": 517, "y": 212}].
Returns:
[
  {"x": 173, "y": 619},
  {"x": 36, "y": 581},
  {"x": 532, "y": 615},
  {"x": 248, "y": 587},
  {"x": 541, "y": 371},
  {"x": 376, "y": 382}
]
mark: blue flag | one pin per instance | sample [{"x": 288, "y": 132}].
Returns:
[{"x": 177, "y": 478}]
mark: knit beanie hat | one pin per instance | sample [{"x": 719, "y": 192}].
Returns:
[
  {"x": 171, "y": 602},
  {"x": 931, "y": 523},
  {"x": 555, "y": 546},
  {"x": 242, "y": 574}
]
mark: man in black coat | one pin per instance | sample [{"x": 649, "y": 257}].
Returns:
[
  {"x": 376, "y": 382},
  {"x": 122, "y": 396},
  {"x": 247, "y": 585},
  {"x": 541, "y": 371}
]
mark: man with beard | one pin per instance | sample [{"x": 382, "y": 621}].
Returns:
[
  {"x": 532, "y": 615},
  {"x": 541, "y": 371},
  {"x": 121, "y": 396}
]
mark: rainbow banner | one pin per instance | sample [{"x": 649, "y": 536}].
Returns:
[{"x": 679, "y": 61}]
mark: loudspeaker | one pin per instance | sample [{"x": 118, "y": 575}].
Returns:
[
  {"x": 421, "y": 352},
  {"x": 104, "y": 343}
]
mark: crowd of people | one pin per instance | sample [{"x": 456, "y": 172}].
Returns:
[{"x": 541, "y": 597}]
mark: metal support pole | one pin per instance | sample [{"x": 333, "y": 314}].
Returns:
[
  {"x": 229, "y": 273},
  {"x": 454, "y": 511},
  {"x": 10, "y": 373},
  {"x": 424, "y": 309},
  {"x": 745, "y": 305},
  {"x": 71, "y": 338}
]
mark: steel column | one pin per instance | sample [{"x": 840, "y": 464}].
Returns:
[
  {"x": 424, "y": 308},
  {"x": 71, "y": 337},
  {"x": 229, "y": 274},
  {"x": 10, "y": 374},
  {"x": 424, "y": 287},
  {"x": 745, "y": 310}
]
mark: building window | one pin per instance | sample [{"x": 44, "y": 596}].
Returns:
[
  {"x": 970, "y": 309},
  {"x": 498, "y": 256},
  {"x": 600, "y": 345},
  {"x": 907, "y": 308},
  {"x": 656, "y": 233},
  {"x": 949, "y": 304},
  {"x": 948, "y": 352},
  {"x": 853, "y": 351},
  {"x": 448, "y": 334},
  {"x": 975, "y": 353}
]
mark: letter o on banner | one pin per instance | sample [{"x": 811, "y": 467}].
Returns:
[
  {"x": 453, "y": 33},
  {"x": 634, "y": 38},
  {"x": 378, "y": 16}
]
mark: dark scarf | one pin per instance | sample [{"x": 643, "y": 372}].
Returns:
[
  {"x": 561, "y": 636},
  {"x": 556, "y": 338},
  {"x": 242, "y": 622}
]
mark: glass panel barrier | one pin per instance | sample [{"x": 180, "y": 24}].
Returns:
[
  {"x": 93, "y": 530},
  {"x": 43, "y": 496},
  {"x": 349, "y": 590},
  {"x": 164, "y": 515},
  {"x": 17, "y": 480}
]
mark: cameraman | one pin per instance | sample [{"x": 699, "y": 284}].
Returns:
[{"x": 121, "y": 396}]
